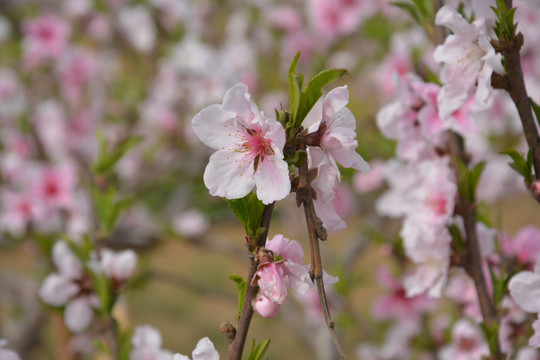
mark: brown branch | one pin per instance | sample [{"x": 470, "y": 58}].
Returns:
[
  {"x": 236, "y": 347},
  {"x": 515, "y": 85},
  {"x": 472, "y": 257},
  {"x": 316, "y": 231}
]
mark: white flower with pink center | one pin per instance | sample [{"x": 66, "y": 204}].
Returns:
[
  {"x": 45, "y": 38},
  {"x": 249, "y": 149},
  {"x": 469, "y": 60},
  {"x": 337, "y": 127}
]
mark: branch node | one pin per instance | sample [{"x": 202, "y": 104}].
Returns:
[{"x": 228, "y": 330}]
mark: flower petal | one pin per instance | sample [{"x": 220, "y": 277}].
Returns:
[
  {"x": 212, "y": 126},
  {"x": 226, "y": 175},
  {"x": 272, "y": 179},
  {"x": 78, "y": 315},
  {"x": 525, "y": 290},
  {"x": 56, "y": 290},
  {"x": 205, "y": 350}
]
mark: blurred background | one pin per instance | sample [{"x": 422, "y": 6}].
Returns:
[{"x": 83, "y": 78}]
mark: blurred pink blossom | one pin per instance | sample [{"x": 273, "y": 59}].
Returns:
[
  {"x": 45, "y": 38},
  {"x": 469, "y": 60},
  {"x": 468, "y": 343}
]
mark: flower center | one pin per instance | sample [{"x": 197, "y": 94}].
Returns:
[{"x": 256, "y": 146}]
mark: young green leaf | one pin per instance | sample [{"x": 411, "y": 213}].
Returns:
[
  {"x": 411, "y": 9},
  {"x": 249, "y": 211},
  {"x": 241, "y": 285},
  {"x": 313, "y": 91},
  {"x": 257, "y": 352},
  {"x": 294, "y": 89},
  {"x": 520, "y": 164},
  {"x": 108, "y": 158}
]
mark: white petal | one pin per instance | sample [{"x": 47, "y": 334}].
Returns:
[
  {"x": 205, "y": 350},
  {"x": 272, "y": 179},
  {"x": 237, "y": 100},
  {"x": 212, "y": 125},
  {"x": 298, "y": 274},
  {"x": 334, "y": 102},
  {"x": 56, "y": 289},
  {"x": 146, "y": 336},
  {"x": 449, "y": 17},
  {"x": 226, "y": 175},
  {"x": 179, "y": 357},
  {"x": 68, "y": 264},
  {"x": 525, "y": 290},
  {"x": 78, "y": 315},
  {"x": 124, "y": 264}
]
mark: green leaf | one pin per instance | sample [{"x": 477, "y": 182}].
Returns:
[
  {"x": 124, "y": 343},
  {"x": 294, "y": 89},
  {"x": 313, "y": 91},
  {"x": 520, "y": 164},
  {"x": 109, "y": 207},
  {"x": 249, "y": 211},
  {"x": 463, "y": 182},
  {"x": 411, "y": 9},
  {"x": 103, "y": 291},
  {"x": 457, "y": 238},
  {"x": 108, "y": 158},
  {"x": 241, "y": 285},
  {"x": 257, "y": 352},
  {"x": 297, "y": 158},
  {"x": 425, "y": 7},
  {"x": 475, "y": 175}
]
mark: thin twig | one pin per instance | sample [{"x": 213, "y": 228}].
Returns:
[
  {"x": 236, "y": 347},
  {"x": 472, "y": 257},
  {"x": 316, "y": 231},
  {"x": 515, "y": 85}
]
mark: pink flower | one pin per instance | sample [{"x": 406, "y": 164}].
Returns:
[
  {"x": 337, "y": 126},
  {"x": 18, "y": 210},
  {"x": 525, "y": 245},
  {"x": 469, "y": 61},
  {"x": 370, "y": 181},
  {"x": 396, "y": 304},
  {"x": 249, "y": 149},
  {"x": 468, "y": 343},
  {"x": 265, "y": 307},
  {"x": 77, "y": 68},
  {"x": 45, "y": 38},
  {"x": 278, "y": 270},
  {"x": 333, "y": 18},
  {"x": 55, "y": 186}
]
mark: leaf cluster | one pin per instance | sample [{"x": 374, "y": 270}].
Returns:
[
  {"x": 303, "y": 100},
  {"x": 505, "y": 27},
  {"x": 421, "y": 11},
  {"x": 520, "y": 164},
  {"x": 249, "y": 211},
  {"x": 468, "y": 180}
]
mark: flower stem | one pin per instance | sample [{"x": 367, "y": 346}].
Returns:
[
  {"x": 236, "y": 347},
  {"x": 472, "y": 256},
  {"x": 316, "y": 231}
]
